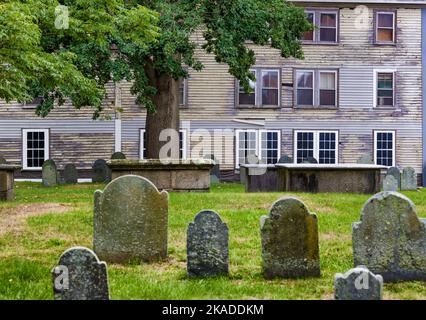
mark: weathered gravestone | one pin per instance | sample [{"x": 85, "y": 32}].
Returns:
[
  {"x": 390, "y": 240},
  {"x": 251, "y": 159},
  {"x": 396, "y": 173},
  {"x": 70, "y": 174},
  {"x": 118, "y": 156},
  {"x": 80, "y": 276},
  {"x": 101, "y": 172},
  {"x": 50, "y": 173},
  {"x": 285, "y": 159},
  {"x": 130, "y": 221},
  {"x": 215, "y": 171},
  {"x": 358, "y": 284},
  {"x": 207, "y": 245},
  {"x": 3, "y": 160},
  {"x": 390, "y": 184},
  {"x": 409, "y": 179},
  {"x": 290, "y": 241},
  {"x": 311, "y": 160},
  {"x": 365, "y": 159}
]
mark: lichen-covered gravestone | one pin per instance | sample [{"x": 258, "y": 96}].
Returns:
[
  {"x": 70, "y": 174},
  {"x": 396, "y": 173},
  {"x": 390, "y": 240},
  {"x": 390, "y": 183},
  {"x": 118, "y": 156},
  {"x": 50, "y": 174},
  {"x": 358, "y": 284},
  {"x": 130, "y": 221},
  {"x": 365, "y": 159},
  {"x": 409, "y": 179},
  {"x": 215, "y": 171},
  {"x": 80, "y": 276},
  {"x": 207, "y": 245},
  {"x": 101, "y": 172},
  {"x": 285, "y": 159},
  {"x": 290, "y": 241}
]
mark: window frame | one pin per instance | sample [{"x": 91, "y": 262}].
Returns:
[
  {"x": 184, "y": 104},
  {"x": 393, "y": 132},
  {"x": 258, "y": 143},
  {"x": 376, "y": 88},
  {"x": 184, "y": 144},
  {"x": 314, "y": 32},
  {"x": 316, "y": 150},
  {"x": 258, "y": 90},
  {"x": 336, "y": 88},
  {"x": 376, "y": 27},
  {"x": 317, "y": 22},
  {"x": 25, "y": 148}
]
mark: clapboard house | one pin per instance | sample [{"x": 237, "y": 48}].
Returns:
[{"x": 360, "y": 90}]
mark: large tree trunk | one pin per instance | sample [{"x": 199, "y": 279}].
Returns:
[{"x": 166, "y": 114}]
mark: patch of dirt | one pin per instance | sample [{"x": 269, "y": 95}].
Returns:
[{"x": 12, "y": 220}]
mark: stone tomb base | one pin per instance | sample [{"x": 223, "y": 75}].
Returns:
[
  {"x": 179, "y": 175},
  {"x": 6, "y": 182}
]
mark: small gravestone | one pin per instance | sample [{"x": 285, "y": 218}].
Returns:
[
  {"x": 290, "y": 241},
  {"x": 50, "y": 174},
  {"x": 390, "y": 240},
  {"x": 390, "y": 184},
  {"x": 118, "y": 156},
  {"x": 3, "y": 160},
  {"x": 409, "y": 179},
  {"x": 396, "y": 173},
  {"x": 215, "y": 171},
  {"x": 311, "y": 160},
  {"x": 80, "y": 276},
  {"x": 70, "y": 174},
  {"x": 358, "y": 284},
  {"x": 130, "y": 221},
  {"x": 101, "y": 172},
  {"x": 207, "y": 245},
  {"x": 252, "y": 159},
  {"x": 285, "y": 159},
  {"x": 365, "y": 159}
]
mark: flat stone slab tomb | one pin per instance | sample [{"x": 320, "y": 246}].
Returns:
[{"x": 7, "y": 176}]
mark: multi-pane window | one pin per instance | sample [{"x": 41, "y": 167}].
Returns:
[
  {"x": 316, "y": 88},
  {"x": 320, "y": 145},
  {"x": 327, "y": 27},
  {"x": 385, "y": 27},
  {"x": 267, "y": 84},
  {"x": 385, "y": 88},
  {"x": 384, "y": 148},
  {"x": 183, "y": 149},
  {"x": 264, "y": 144},
  {"x": 35, "y": 148}
]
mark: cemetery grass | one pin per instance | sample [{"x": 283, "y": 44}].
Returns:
[{"x": 47, "y": 221}]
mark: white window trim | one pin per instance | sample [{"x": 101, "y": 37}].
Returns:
[
  {"x": 336, "y": 13},
  {"x": 336, "y": 76},
  {"x": 393, "y": 13},
  {"x": 393, "y": 145},
  {"x": 25, "y": 147},
  {"x": 184, "y": 143},
  {"x": 185, "y": 93},
  {"x": 255, "y": 89},
  {"x": 258, "y": 143},
  {"x": 316, "y": 143},
  {"x": 375, "y": 85},
  {"x": 314, "y": 38},
  {"x": 261, "y": 87},
  {"x": 298, "y": 71}
]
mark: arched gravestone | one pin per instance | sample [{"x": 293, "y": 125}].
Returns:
[
  {"x": 118, "y": 156},
  {"x": 396, "y": 173},
  {"x": 207, "y": 245},
  {"x": 290, "y": 241},
  {"x": 285, "y": 159},
  {"x": 215, "y": 171},
  {"x": 130, "y": 221},
  {"x": 365, "y": 159},
  {"x": 70, "y": 174},
  {"x": 358, "y": 284},
  {"x": 101, "y": 172},
  {"x": 409, "y": 179},
  {"x": 3, "y": 160},
  {"x": 80, "y": 276},
  {"x": 390, "y": 240},
  {"x": 50, "y": 177},
  {"x": 311, "y": 160},
  {"x": 390, "y": 184}
]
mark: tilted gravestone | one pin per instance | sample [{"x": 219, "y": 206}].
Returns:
[
  {"x": 390, "y": 184},
  {"x": 118, "y": 156},
  {"x": 70, "y": 174},
  {"x": 80, "y": 276},
  {"x": 290, "y": 241},
  {"x": 365, "y": 159},
  {"x": 207, "y": 245},
  {"x": 409, "y": 179},
  {"x": 50, "y": 177},
  {"x": 358, "y": 284},
  {"x": 101, "y": 172},
  {"x": 215, "y": 171},
  {"x": 390, "y": 239},
  {"x": 396, "y": 173},
  {"x": 285, "y": 159},
  {"x": 130, "y": 221},
  {"x": 3, "y": 160}
]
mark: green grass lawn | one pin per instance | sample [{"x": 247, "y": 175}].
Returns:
[{"x": 42, "y": 223}]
